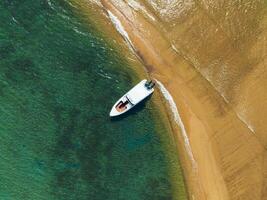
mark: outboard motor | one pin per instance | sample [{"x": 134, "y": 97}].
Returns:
[{"x": 149, "y": 84}]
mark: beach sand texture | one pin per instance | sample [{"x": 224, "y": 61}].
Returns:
[{"x": 211, "y": 56}]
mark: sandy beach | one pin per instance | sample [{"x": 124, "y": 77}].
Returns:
[
  {"x": 199, "y": 164},
  {"x": 209, "y": 60}
]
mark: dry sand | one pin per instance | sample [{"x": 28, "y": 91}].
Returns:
[{"x": 211, "y": 58}]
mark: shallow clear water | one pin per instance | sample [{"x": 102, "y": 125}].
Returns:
[{"x": 58, "y": 81}]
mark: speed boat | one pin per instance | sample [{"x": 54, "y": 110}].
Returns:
[{"x": 137, "y": 94}]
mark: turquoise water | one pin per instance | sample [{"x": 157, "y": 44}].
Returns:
[{"x": 58, "y": 81}]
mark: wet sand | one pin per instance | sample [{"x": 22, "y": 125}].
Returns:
[
  {"x": 202, "y": 165},
  {"x": 96, "y": 13},
  {"x": 211, "y": 57}
]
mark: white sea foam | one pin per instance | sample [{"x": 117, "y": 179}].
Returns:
[
  {"x": 169, "y": 9},
  {"x": 174, "y": 48},
  {"x": 137, "y": 6},
  {"x": 14, "y": 19},
  {"x": 97, "y": 2},
  {"x": 178, "y": 120},
  {"x": 49, "y": 3},
  {"x": 116, "y": 22},
  {"x": 79, "y": 32},
  {"x": 250, "y": 127}
]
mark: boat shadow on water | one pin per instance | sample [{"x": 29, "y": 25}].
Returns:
[{"x": 138, "y": 108}]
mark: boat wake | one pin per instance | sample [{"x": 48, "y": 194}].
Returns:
[{"x": 178, "y": 120}]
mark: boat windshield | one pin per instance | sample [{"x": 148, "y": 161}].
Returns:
[{"x": 128, "y": 99}]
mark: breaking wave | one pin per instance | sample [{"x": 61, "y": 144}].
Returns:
[
  {"x": 116, "y": 22},
  {"x": 178, "y": 120}
]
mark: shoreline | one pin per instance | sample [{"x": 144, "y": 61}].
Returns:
[
  {"x": 164, "y": 71},
  {"x": 214, "y": 73},
  {"x": 140, "y": 70}
]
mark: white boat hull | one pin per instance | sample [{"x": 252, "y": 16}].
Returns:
[{"x": 131, "y": 99}]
